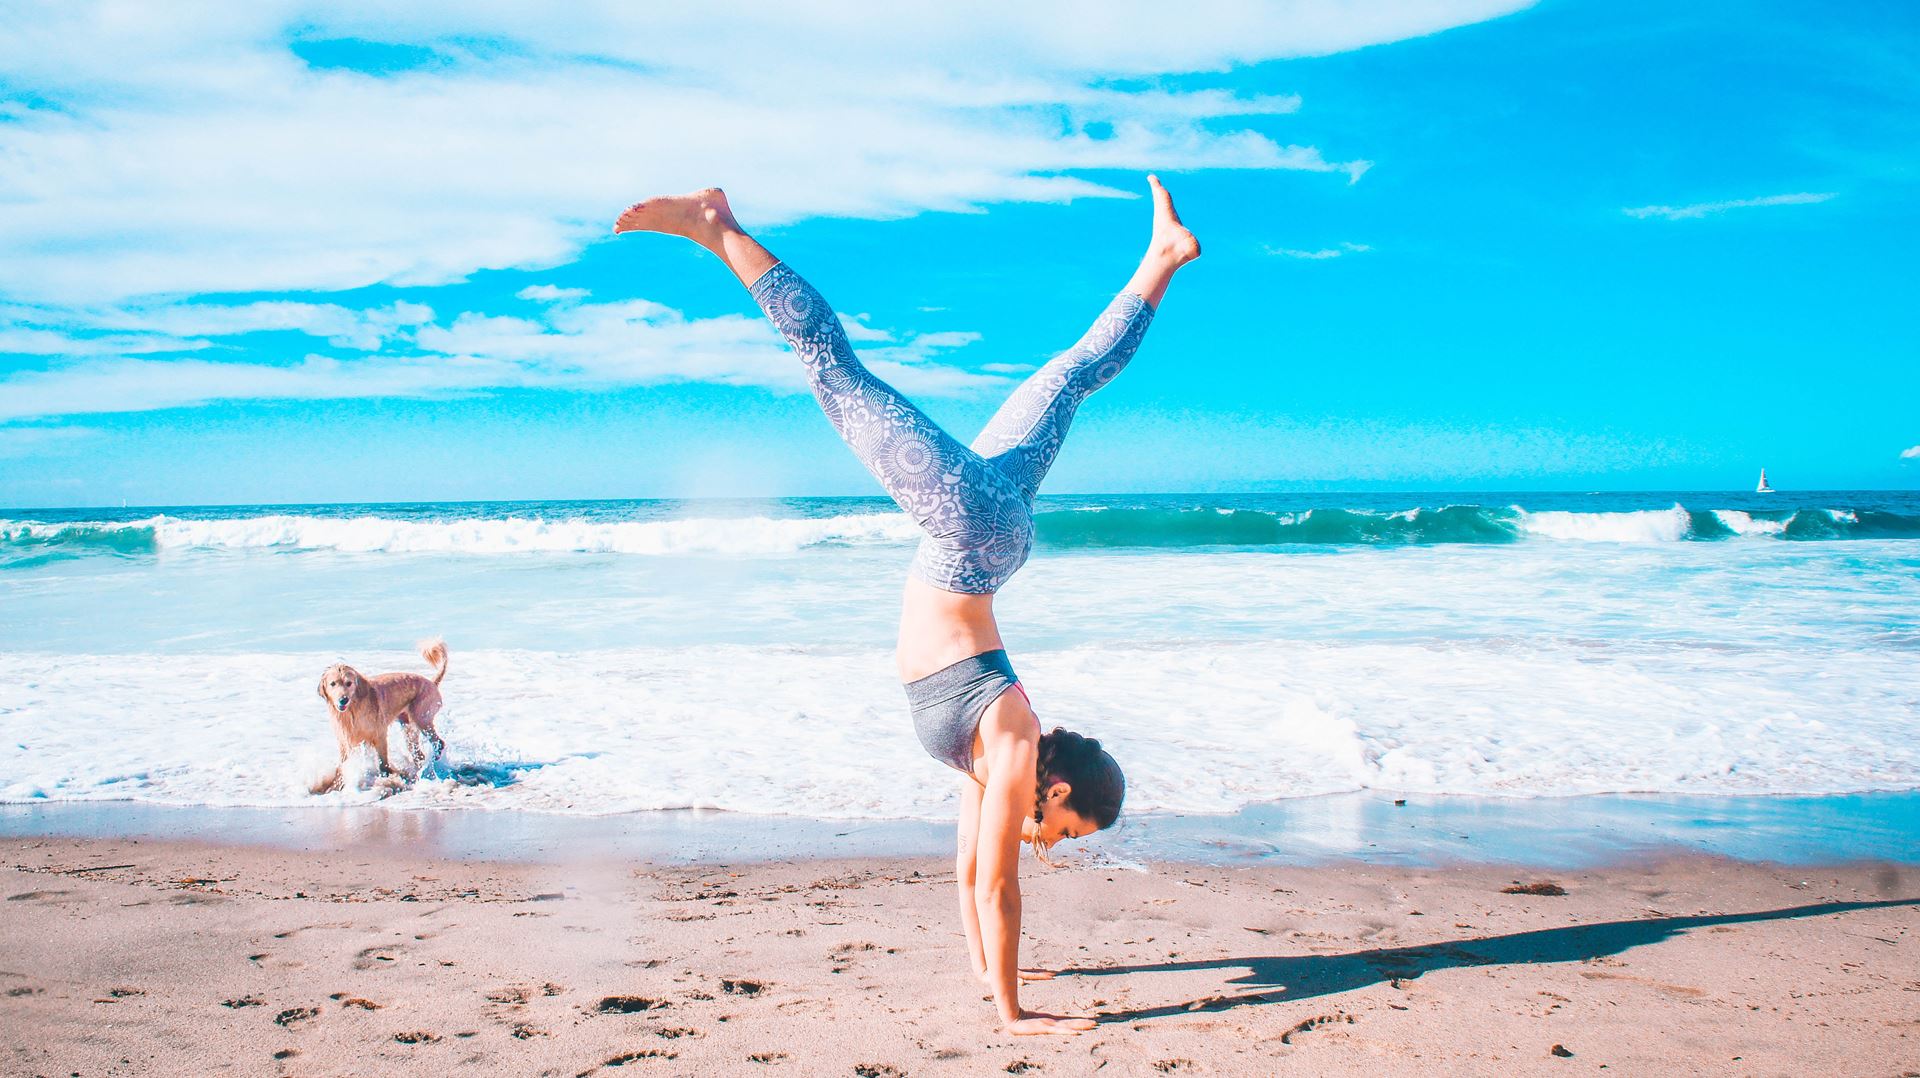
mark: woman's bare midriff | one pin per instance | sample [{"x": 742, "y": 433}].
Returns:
[{"x": 939, "y": 628}]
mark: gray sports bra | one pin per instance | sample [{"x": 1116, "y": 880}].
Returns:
[{"x": 947, "y": 705}]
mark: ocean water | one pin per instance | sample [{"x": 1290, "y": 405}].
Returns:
[{"x": 609, "y": 657}]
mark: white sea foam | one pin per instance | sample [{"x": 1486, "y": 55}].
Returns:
[
  {"x": 823, "y": 732},
  {"x": 1642, "y": 526},
  {"x": 1744, "y": 523},
  {"x": 765, "y": 535},
  {"x": 499, "y": 535},
  {"x": 1617, "y": 661}
]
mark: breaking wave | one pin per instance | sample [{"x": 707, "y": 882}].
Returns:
[{"x": 1086, "y": 528}]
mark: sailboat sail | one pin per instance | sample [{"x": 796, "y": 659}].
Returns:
[{"x": 1763, "y": 488}]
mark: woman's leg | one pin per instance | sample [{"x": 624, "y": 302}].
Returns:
[
  {"x": 941, "y": 484},
  {"x": 1024, "y": 436}
]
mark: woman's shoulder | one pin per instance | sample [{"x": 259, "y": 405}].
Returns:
[{"x": 1010, "y": 718}]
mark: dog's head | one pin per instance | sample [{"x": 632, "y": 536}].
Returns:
[{"x": 340, "y": 686}]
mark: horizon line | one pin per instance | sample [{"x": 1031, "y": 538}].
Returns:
[{"x": 885, "y": 498}]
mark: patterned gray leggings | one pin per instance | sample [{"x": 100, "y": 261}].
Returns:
[{"x": 976, "y": 505}]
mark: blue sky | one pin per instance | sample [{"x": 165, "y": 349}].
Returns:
[{"x": 292, "y": 252}]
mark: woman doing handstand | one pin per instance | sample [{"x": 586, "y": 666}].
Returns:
[{"x": 976, "y": 507}]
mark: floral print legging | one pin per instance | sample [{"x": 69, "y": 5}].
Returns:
[{"x": 976, "y": 505}]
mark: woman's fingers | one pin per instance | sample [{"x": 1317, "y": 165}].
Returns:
[
  {"x": 1031, "y": 1024},
  {"x": 1025, "y": 975}
]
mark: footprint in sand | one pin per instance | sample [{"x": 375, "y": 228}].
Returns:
[
  {"x": 295, "y": 1014},
  {"x": 676, "y": 1032},
  {"x": 1544, "y": 888},
  {"x": 630, "y": 1004},
  {"x": 767, "y": 1057},
  {"x": 23, "y": 990},
  {"x": 371, "y": 957},
  {"x": 842, "y": 956},
  {"x": 243, "y": 1001},
  {"x": 1314, "y": 1023},
  {"x": 1022, "y": 1066},
  {"x": 1174, "y": 1066},
  {"x": 878, "y": 1070},
  {"x": 292, "y": 932},
  {"x": 1684, "y": 991},
  {"x": 742, "y": 987},
  {"x": 355, "y": 1002},
  {"x": 262, "y": 958},
  {"x": 418, "y": 1036},
  {"x": 37, "y": 896},
  {"x": 518, "y": 995},
  {"x": 625, "y": 1058}
]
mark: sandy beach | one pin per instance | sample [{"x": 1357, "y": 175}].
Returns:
[{"x": 126, "y": 957}]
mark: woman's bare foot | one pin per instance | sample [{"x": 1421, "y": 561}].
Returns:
[
  {"x": 699, "y": 215},
  {"x": 704, "y": 217},
  {"x": 1171, "y": 241},
  {"x": 1171, "y": 247}
]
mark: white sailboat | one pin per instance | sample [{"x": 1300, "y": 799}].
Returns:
[{"x": 1763, "y": 488}]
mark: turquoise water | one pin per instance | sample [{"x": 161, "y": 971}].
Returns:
[{"x": 1233, "y": 650}]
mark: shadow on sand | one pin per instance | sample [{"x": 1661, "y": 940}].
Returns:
[{"x": 1280, "y": 978}]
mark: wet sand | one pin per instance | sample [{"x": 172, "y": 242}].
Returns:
[{"x": 121, "y": 956}]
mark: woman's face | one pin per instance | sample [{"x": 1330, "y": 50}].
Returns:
[{"x": 1057, "y": 822}]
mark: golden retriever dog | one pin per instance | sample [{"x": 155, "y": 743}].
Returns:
[{"x": 363, "y": 707}]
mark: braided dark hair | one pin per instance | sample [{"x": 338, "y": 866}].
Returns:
[{"x": 1097, "y": 786}]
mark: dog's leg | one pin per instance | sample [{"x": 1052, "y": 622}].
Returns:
[
  {"x": 343, "y": 738},
  {"x": 327, "y": 783},
  {"x": 422, "y": 712},
  {"x": 413, "y": 743}
]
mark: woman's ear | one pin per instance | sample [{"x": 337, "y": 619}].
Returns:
[{"x": 1058, "y": 792}]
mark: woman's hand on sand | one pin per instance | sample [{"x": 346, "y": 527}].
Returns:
[
  {"x": 1033, "y": 1023},
  {"x": 1026, "y": 975}
]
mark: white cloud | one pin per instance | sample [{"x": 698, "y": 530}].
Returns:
[
  {"x": 585, "y": 346},
  {"x": 859, "y": 332},
  {"x": 1702, "y": 209},
  {"x": 170, "y": 149},
  {"x": 23, "y": 340},
  {"x": 1910, "y": 453},
  {"x": 42, "y": 441},
  {"x": 546, "y": 293},
  {"x": 173, "y": 326},
  {"x": 1322, "y": 253},
  {"x": 132, "y": 385}
]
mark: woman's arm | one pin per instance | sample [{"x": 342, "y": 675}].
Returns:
[
  {"x": 1007, "y": 800},
  {"x": 964, "y": 865},
  {"x": 963, "y": 873},
  {"x": 1004, "y": 805}
]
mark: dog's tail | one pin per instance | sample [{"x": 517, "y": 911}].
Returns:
[{"x": 435, "y": 652}]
